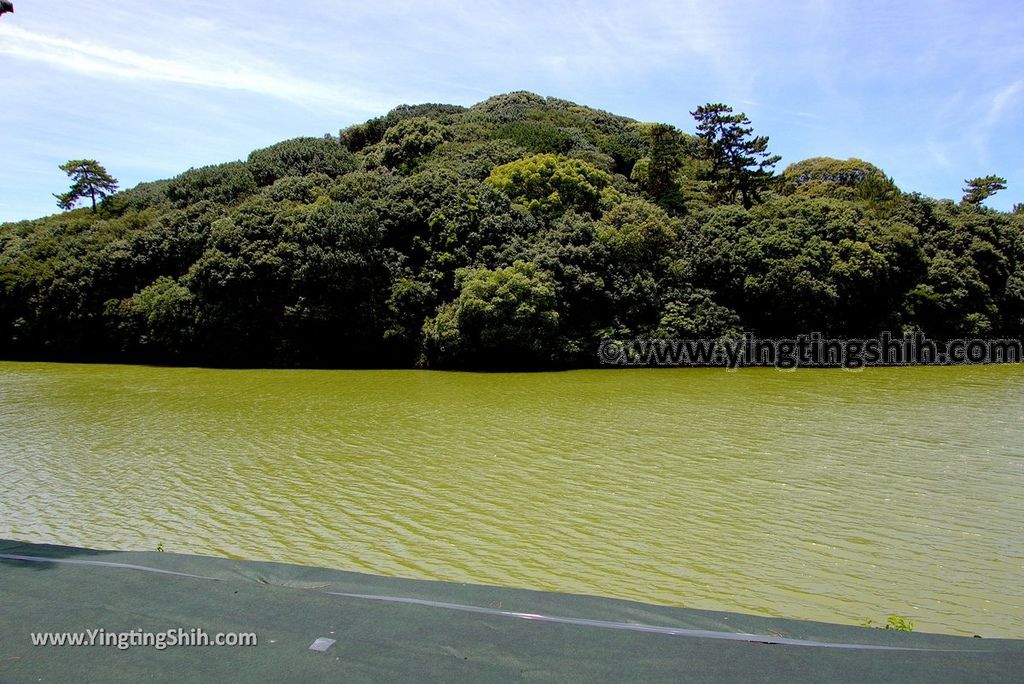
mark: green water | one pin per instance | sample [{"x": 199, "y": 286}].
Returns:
[{"x": 826, "y": 495}]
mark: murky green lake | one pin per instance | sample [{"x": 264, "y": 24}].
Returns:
[{"x": 827, "y": 495}]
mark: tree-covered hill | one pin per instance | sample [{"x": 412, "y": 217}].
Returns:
[{"x": 519, "y": 232}]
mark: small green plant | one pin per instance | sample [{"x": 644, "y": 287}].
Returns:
[
  {"x": 899, "y": 623},
  {"x": 895, "y": 622},
  {"x": 160, "y": 547}
]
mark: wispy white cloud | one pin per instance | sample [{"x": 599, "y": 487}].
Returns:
[
  {"x": 1001, "y": 100},
  {"x": 939, "y": 154},
  {"x": 990, "y": 112},
  {"x": 214, "y": 71}
]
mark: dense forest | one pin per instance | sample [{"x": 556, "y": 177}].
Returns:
[{"x": 517, "y": 233}]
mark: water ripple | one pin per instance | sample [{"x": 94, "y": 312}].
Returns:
[{"x": 824, "y": 495}]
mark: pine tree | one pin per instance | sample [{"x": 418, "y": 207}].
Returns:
[
  {"x": 740, "y": 162},
  {"x": 980, "y": 189},
  {"x": 89, "y": 180}
]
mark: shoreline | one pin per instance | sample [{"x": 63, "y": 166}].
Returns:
[{"x": 317, "y": 624}]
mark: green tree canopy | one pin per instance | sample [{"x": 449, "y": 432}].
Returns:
[
  {"x": 500, "y": 318},
  {"x": 847, "y": 179},
  {"x": 299, "y": 157},
  {"x": 639, "y": 232},
  {"x": 159, "y": 318},
  {"x": 549, "y": 184},
  {"x": 411, "y": 139},
  {"x": 520, "y": 232},
  {"x": 657, "y": 171},
  {"x": 222, "y": 183},
  {"x": 695, "y": 315}
]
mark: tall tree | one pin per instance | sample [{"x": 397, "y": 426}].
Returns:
[
  {"x": 980, "y": 189},
  {"x": 740, "y": 162},
  {"x": 89, "y": 179},
  {"x": 664, "y": 159}
]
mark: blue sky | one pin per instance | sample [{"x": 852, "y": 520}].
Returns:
[{"x": 932, "y": 92}]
